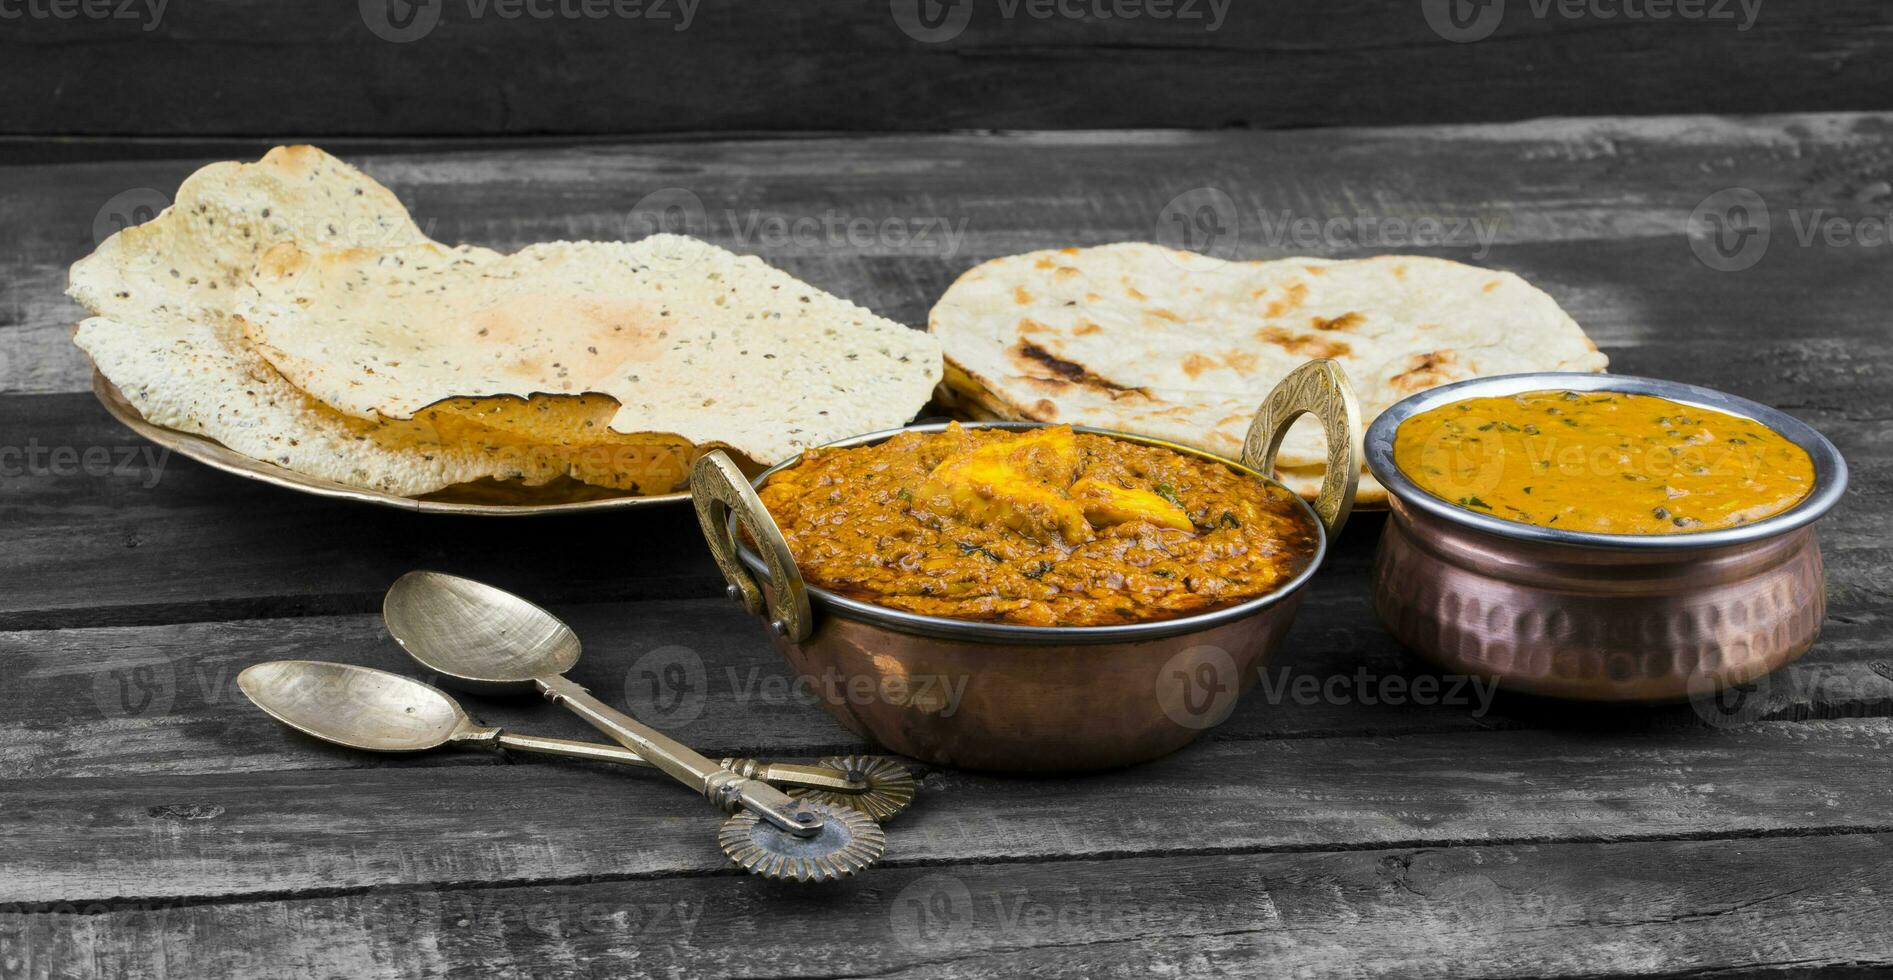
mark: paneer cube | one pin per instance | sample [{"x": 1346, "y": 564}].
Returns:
[
  {"x": 1106, "y": 504},
  {"x": 1016, "y": 483}
]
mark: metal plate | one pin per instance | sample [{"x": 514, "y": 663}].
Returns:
[{"x": 489, "y": 499}]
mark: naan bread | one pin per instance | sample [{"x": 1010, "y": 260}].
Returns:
[
  {"x": 1168, "y": 343},
  {"x": 723, "y": 350}
]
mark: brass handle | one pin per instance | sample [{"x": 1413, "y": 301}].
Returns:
[
  {"x": 717, "y": 488},
  {"x": 1319, "y": 388}
]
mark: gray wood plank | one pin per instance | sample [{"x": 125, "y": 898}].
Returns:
[
  {"x": 148, "y": 700},
  {"x": 1750, "y": 907},
  {"x": 164, "y": 838},
  {"x": 1593, "y": 210},
  {"x": 250, "y": 67}
]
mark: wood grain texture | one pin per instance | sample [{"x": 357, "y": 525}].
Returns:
[
  {"x": 165, "y": 838},
  {"x": 248, "y": 67},
  {"x": 1762, "y": 907},
  {"x": 149, "y": 700},
  {"x": 1594, "y": 211}
]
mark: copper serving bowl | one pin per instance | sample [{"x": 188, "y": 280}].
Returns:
[
  {"x": 1011, "y": 697},
  {"x": 1600, "y": 617}
]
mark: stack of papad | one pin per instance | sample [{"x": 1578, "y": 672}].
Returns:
[
  {"x": 1167, "y": 343},
  {"x": 258, "y": 310}
]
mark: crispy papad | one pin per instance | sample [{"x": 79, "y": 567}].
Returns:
[
  {"x": 171, "y": 297},
  {"x": 723, "y": 350},
  {"x": 165, "y": 335},
  {"x": 1168, "y": 343}
]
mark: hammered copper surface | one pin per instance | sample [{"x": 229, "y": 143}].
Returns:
[
  {"x": 1592, "y": 623},
  {"x": 1031, "y": 707}
]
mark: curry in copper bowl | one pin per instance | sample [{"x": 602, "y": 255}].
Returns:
[
  {"x": 1045, "y": 527},
  {"x": 1025, "y": 596},
  {"x": 1602, "y": 537}
]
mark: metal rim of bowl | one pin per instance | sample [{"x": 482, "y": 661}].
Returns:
[
  {"x": 1830, "y": 470},
  {"x": 941, "y": 627}
]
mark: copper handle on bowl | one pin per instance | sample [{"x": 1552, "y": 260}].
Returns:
[
  {"x": 718, "y": 488},
  {"x": 1319, "y": 388}
]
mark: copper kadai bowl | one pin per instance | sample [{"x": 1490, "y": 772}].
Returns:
[
  {"x": 1028, "y": 698},
  {"x": 1600, "y": 617}
]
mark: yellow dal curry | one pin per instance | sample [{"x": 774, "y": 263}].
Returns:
[
  {"x": 1048, "y": 527},
  {"x": 1603, "y": 461}
]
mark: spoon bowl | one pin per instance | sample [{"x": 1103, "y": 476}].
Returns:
[
  {"x": 477, "y": 637},
  {"x": 359, "y": 707}
]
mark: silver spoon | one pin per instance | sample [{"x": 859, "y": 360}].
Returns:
[
  {"x": 376, "y": 711},
  {"x": 485, "y": 638}
]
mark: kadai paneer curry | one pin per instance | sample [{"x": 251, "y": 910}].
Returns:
[
  {"x": 1041, "y": 527},
  {"x": 1604, "y": 462}
]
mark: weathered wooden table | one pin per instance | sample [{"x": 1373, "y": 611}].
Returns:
[{"x": 153, "y": 823}]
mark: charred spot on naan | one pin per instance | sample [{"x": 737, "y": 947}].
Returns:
[
  {"x": 1302, "y": 345},
  {"x": 1429, "y": 369},
  {"x": 1033, "y": 360},
  {"x": 1346, "y": 321}
]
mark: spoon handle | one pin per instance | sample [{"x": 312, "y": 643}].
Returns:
[
  {"x": 723, "y": 787},
  {"x": 570, "y": 749},
  {"x": 774, "y": 773}
]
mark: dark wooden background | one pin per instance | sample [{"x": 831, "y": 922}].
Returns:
[
  {"x": 244, "y": 67},
  {"x": 152, "y": 824}
]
